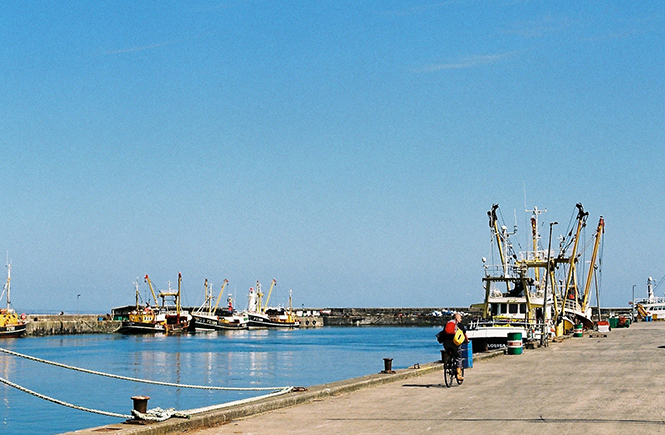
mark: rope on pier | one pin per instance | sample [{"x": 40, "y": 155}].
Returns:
[
  {"x": 145, "y": 381},
  {"x": 60, "y": 402},
  {"x": 238, "y": 402},
  {"x": 158, "y": 414},
  {"x": 155, "y": 414}
]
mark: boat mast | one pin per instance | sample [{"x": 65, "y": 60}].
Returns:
[
  {"x": 536, "y": 237},
  {"x": 177, "y": 301},
  {"x": 290, "y": 302},
  {"x": 7, "y": 285},
  {"x": 136, "y": 285},
  {"x": 259, "y": 296},
  {"x": 207, "y": 297}
]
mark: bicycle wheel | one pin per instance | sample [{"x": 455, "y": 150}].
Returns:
[{"x": 448, "y": 372}]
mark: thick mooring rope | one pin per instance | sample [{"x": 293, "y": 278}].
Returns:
[
  {"x": 156, "y": 414},
  {"x": 145, "y": 381},
  {"x": 60, "y": 402},
  {"x": 237, "y": 402}
]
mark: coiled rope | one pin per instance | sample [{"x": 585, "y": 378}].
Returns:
[
  {"x": 145, "y": 381},
  {"x": 156, "y": 414}
]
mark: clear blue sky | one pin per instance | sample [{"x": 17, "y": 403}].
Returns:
[{"x": 348, "y": 149}]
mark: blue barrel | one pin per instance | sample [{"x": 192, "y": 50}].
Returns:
[{"x": 466, "y": 351}]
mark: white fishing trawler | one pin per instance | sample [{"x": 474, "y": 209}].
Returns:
[
  {"x": 652, "y": 307},
  {"x": 524, "y": 292},
  {"x": 209, "y": 318},
  {"x": 262, "y": 316}
]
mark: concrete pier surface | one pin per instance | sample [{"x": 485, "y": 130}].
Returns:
[{"x": 599, "y": 384}]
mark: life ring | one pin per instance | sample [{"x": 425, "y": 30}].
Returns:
[{"x": 23, "y": 316}]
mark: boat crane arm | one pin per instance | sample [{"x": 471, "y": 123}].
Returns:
[
  {"x": 592, "y": 266},
  {"x": 152, "y": 290},
  {"x": 219, "y": 298},
  {"x": 495, "y": 228},
  {"x": 581, "y": 222},
  {"x": 272, "y": 284}
]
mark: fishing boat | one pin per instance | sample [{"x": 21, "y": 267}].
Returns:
[
  {"x": 144, "y": 319},
  {"x": 653, "y": 307},
  {"x": 209, "y": 318},
  {"x": 11, "y": 324},
  {"x": 177, "y": 319},
  {"x": 262, "y": 316},
  {"x": 523, "y": 292}
]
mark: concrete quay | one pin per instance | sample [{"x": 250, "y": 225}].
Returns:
[{"x": 598, "y": 384}]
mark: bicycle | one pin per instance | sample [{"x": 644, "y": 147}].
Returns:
[{"x": 450, "y": 369}]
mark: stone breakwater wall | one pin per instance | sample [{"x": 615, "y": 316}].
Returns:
[
  {"x": 415, "y": 316},
  {"x": 387, "y": 316},
  {"x": 43, "y": 324}
]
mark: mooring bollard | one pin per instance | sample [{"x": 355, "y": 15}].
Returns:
[
  {"x": 387, "y": 365},
  {"x": 141, "y": 403}
]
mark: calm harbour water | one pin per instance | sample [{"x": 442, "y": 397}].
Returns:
[{"x": 258, "y": 358}]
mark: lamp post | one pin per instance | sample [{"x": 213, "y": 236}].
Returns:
[
  {"x": 77, "y": 303},
  {"x": 632, "y": 309},
  {"x": 543, "y": 332}
]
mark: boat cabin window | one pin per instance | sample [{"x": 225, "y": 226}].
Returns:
[{"x": 501, "y": 309}]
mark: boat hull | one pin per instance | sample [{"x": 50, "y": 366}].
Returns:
[
  {"x": 212, "y": 323},
  {"x": 129, "y": 327},
  {"x": 486, "y": 338},
  {"x": 12, "y": 330},
  {"x": 257, "y": 321}
]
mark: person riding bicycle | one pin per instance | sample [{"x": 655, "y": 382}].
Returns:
[{"x": 452, "y": 337}]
